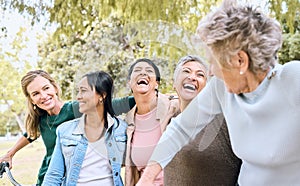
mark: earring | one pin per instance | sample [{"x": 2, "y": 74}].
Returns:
[
  {"x": 241, "y": 72},
  {"x": 100, "y": 101},
  {"x": 34, "y": 107}
]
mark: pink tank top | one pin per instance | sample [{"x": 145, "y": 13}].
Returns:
[{"x": 146, "y": 135}]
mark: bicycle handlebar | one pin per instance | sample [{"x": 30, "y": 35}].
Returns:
[{"x": 4, "y": 167}]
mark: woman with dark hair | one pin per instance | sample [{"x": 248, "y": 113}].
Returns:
[
  {"x": 89, "y": 150},
  {"x": 147, "y": 120}
]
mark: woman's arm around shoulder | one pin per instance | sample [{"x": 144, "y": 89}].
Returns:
[{"x": 123, "y": 104}]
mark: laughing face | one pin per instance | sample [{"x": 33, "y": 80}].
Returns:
[
  {"x": 42, "y": 93},
  {"x": 190, "y": 80},
  {"x": 143, "y": 78}
]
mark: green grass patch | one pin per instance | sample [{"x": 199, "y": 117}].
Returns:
[{"x": 26, "y": 162}]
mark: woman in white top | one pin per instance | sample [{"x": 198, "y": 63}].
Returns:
[{"x": 90, "y": 150}]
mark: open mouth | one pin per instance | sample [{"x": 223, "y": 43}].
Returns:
[
  {"x": 142, "y": 82},
  {"x": 190, "y": 87}
]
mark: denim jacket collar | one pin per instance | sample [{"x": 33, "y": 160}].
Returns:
[{"x": 79, "y": 130}]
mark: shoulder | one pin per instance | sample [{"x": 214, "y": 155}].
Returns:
[
  {"x": 167, "y": 99},
  {"x": 120, "y": 124},
  {"x": 286, "y": 75},
  {"x": 68, "y": 125},
  {"x": 289, "y": 70},
  {"x": 167, "y": 102},
  {"x": 214, "y": 89},
  {"x": 69, "y": 106},
  {"x": 72, "y": 107},
  {"x": 286, "y": 79}
]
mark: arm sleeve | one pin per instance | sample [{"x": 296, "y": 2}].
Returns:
[
  {"x": 187, "y": 125},
  {"x": 75, "y": 106},
  {"x": 123, "y": 105},
  {"x": 56, "y": 169},
  {"x": 29, "y": 139}
]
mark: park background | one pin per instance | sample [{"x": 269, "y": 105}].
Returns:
[{"x": 70, "y": 37}]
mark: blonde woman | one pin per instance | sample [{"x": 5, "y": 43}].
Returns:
[{"x": 46, "y": 111}]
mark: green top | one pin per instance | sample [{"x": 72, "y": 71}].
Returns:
[
  {"x": 69, "y": 111},
  {"x": 48, "y": 125}
]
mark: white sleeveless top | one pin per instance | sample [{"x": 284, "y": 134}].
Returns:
[{"x": 96, "y": 169}]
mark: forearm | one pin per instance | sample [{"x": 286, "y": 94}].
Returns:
[
  {"x": 185, "y": 127},
  {"x": 149, "y": 175},
  {"x": 22, "y": 142}
]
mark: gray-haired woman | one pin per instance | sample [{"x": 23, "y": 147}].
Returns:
[
  {"x": 211, "y": 149},
  {"x": 259, "y": 98}
]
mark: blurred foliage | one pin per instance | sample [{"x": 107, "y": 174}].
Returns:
[
  {"x": 113, "y": 35},
  {"x": 290, "y": 48},
  {"x": 13, "y": 65},
  {"x": 288, "y": 15},
  {"x": 109, "y": 35},
  {"x": 287, "y": 12}
]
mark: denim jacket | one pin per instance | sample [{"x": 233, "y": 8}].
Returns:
[{"x": 71, "y": 146}]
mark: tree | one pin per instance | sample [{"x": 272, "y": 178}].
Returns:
[
  {"x": 110, "y": 34},
  {"x": 287, "y": 12},
  {"x": 112, "y": 46},
  {"x": 77, "y": 17},
  {"x": 12, "y": 67},
  {"x": 113, "y": 33}
]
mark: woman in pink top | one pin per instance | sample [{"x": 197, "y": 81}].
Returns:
[{"x": 147, "y": 120}]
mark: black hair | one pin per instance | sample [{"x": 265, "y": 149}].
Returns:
[
  {"x": 102, "y": 82},
  {"x": 150, "y": 62}
]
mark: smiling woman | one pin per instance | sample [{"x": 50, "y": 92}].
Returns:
[
  {"x": 89, "y": 150},
  {"x": 211, "y": 149},
  {"x": 46, "y": 111},
  {"x": 147, "y": 120},
  {"x": 259, "y": 98}
]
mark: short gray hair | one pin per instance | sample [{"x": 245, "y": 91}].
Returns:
[
  {"x": 186, "y": 59},
  {"x": 233, "y": 27}
]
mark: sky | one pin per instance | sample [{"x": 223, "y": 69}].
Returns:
[{"x": 13, "y": 21}]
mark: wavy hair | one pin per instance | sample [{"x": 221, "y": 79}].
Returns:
[
  {"x": 233, "y": 27},
  {"x": 186, "y": 59},
  {"x": 32, "y": 117}
]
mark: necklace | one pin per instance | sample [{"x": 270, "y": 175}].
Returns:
[
  {"x": 56, "y": 113},
  {"x": 47, "y": 122}
]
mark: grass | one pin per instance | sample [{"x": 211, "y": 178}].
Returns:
[{"x": 26, "y": 162}]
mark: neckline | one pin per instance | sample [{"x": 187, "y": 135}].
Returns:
[{"x": 253, "y": 96}]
